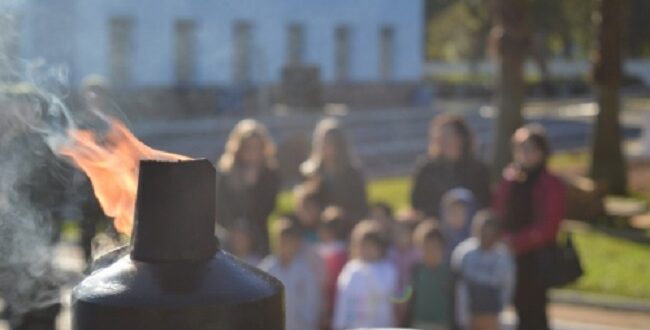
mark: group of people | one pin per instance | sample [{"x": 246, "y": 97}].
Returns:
[{"x": 462, "y": 252}]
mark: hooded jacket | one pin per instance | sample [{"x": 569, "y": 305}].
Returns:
[{"x": 455, "y": 236}]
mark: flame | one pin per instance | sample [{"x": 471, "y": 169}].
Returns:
[{"x": 112, "y": 165}]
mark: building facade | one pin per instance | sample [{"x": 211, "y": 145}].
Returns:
[{"x": 201, "y": 43}]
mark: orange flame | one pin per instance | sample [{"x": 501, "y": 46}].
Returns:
[{"x": 112, "y": 166}]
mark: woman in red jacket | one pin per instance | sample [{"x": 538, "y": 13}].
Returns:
[{"x": 532, "y": 203}]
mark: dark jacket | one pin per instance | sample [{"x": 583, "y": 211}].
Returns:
[
  {"x": 548, "y": 209},
  {"x": 345, "y": 188},
  {"x": 254, "y": 203},
  {"x": 435, "y": 176}
]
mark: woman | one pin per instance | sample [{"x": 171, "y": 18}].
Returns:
[
  {"x": 335, "y": 172},
  {"x": 248, "y": 181},
  {"x": 531, "y": 202},
  {"x": 450, "y": 163}
]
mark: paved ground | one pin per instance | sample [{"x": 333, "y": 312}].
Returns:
[
  {"x": 571, "y": 317},
  {"x": 564, "y": 316}
]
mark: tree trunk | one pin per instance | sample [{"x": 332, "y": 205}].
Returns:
[
  {"x": 509, "y": 40},
  {"x": 608, "y": 162}
]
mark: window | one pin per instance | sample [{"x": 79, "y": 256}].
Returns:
[
  {"x": 295, "y": 44},
  {"x": 386, "y": 52},
  {"x": 342, "y": 53},
  {"x": 185, "y": 51},
  {"x": 243, "y": 52},
  {"x": 121, "y": 49}
]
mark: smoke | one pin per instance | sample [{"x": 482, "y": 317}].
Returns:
[
  {"x": 35, "y": 128},
  {"x": 27, "y": 278},
  {"x": 31, "y": 191},
  {"x": 33, "y": 180}
]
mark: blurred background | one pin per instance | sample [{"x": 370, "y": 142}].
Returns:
[
  {"x": 181, "y": 74},
  {"x": 200, "y": 65}
]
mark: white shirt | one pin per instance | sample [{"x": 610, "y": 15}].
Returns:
[
  {"x": 302, "y": 292},
  {"x": 364, "y": 293}
]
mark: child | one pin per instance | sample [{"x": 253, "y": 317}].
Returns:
[
  {"x": 301, "y": 292},
  {"x": 308, "y": 211},
  {"x": 403, "y": 255},
  {"x": 333, "y": 251},
  {"x": 457, "y": 209},
  {"x": 486, "y": 275},
  {"x": 241, "y": 241},
  {"x": 367, "y": 282},
  {"x": 382, "y": 212},
  {"x": 431, "y": 281}
]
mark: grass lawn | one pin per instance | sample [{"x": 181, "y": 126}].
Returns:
[
  {"x": 613, "y": 266},
  {"x": 567, "y": 161},
  {"x": 394, "y": 191}
]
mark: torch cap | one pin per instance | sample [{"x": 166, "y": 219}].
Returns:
[{"x": 175, "y": 211}]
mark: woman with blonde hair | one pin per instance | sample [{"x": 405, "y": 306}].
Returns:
[
  {"x": 248, "y": 181},
  {"x": 335, "y": 171}
]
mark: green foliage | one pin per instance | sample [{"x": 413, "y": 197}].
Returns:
[
  {"x": 580, "y": 28},
  {"x": 456, "y": 29}
]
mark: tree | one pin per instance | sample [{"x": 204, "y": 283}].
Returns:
[
  {"x": 607, "y": 161},
  {"x": 509, "y": 41}
]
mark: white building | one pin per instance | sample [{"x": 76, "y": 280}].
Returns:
[{"x": 198, "y": 43}]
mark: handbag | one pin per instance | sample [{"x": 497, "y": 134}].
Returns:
[{"x": 559, "y": 263}]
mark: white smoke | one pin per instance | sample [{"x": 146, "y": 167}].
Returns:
[
  {"x": 34, "y": 123},
  {"x": 29, "y": 189},
  {"x": 32, "y": 119},
  {"x": 27, "y": 279}
]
